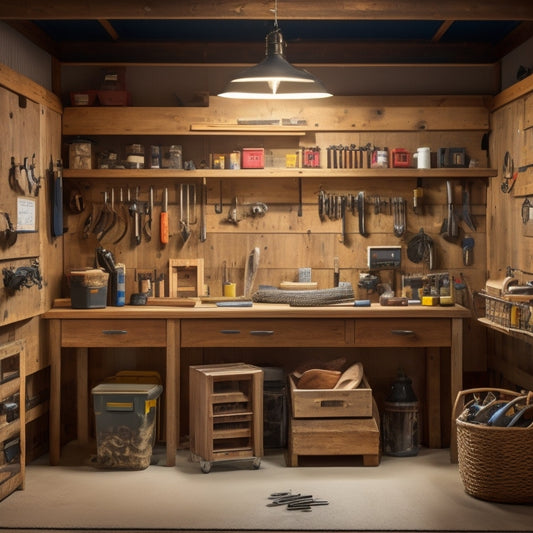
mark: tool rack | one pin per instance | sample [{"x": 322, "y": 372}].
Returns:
[{"x": 226, "y": 413}]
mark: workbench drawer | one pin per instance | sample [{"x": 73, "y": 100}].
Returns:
[
  {"x": 113, "y": 333},
  {"x": 256, "y": 332},
  {"x": 402, "y": 332}
]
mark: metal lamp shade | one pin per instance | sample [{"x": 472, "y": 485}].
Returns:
[{"x": 274, "y": 77}]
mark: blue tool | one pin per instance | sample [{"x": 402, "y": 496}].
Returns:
[{"x": 234, "y": 304}]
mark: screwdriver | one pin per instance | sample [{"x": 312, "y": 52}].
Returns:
[{"x": 164, "y": 218}]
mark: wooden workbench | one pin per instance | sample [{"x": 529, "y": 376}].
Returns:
[{"x": 263, "y": 325}]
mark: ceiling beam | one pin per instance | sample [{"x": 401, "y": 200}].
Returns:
[
  {"x": 261, "y": 9},
  {"x": 299, "y": 53}
]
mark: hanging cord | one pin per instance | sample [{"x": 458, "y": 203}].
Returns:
[{"x": 275, "y": 11}]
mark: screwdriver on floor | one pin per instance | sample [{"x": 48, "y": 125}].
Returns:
[{"x": 164, "y": 218}]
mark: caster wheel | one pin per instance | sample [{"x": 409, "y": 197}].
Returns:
[
  {"x": 205, "y": 466},
  {"x": 256, "y": 463}
]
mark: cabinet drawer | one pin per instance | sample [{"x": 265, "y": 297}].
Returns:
[
  {"x": 113, "y": 333},
  {"x": 268, "y": 332},
  {"x": 403, "y": 332}
]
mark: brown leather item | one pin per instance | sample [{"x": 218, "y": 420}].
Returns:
[{"x": 319, "y": 378}]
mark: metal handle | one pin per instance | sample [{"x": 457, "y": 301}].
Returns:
[
  {"x": 114, "y": 331},
  {"x": 261, "y": 332},
  {"x": 403, "y": 332},
  {"x": 230, "y": 331}
]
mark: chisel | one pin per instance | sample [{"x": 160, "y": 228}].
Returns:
[{"x": 164, "y": 218}]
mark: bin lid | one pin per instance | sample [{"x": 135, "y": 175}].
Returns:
[{"x": 147, "y": 389}]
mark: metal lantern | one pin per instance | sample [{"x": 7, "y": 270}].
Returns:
[{"x": 400, "y": 424}]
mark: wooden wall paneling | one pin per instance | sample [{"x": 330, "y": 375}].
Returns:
[{"x": 509, "y": 356}]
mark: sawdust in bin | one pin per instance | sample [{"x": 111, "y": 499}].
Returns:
[{"x": 125, "y": 448}]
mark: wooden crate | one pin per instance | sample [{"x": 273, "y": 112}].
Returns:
[
  {"x": 334, "y": 436},
  {"x": 331, "y": 403}
]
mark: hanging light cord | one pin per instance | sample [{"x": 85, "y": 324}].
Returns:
[{"x": 275, "y": 11}]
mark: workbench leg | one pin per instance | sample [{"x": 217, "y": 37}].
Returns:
[
  {"x": 172, "y": 390},
  {"x": 54, "y": 346},
  {"x": 456, "y": 362},
  {"x": 433, "y": 397},
  {"x": 82, "y": 394}
]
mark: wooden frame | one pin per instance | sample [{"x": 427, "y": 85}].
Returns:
[{"x": 186, "y": 277}]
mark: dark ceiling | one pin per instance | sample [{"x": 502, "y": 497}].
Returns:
[{"x": 316, "y": 32}]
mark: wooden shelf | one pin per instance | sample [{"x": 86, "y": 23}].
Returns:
[{"x": 283, "y": 173}]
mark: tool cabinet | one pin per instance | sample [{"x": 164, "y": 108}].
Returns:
[
  {"x": 226, "y": 413},
  {"x": 12, "y": 417}
]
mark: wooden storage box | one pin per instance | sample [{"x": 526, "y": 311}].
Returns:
[
  {"x": 351, "y": 436},
  {"x": 331, "y": 403}
]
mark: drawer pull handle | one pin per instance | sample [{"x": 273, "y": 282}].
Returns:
[
  {"x": 230, "y": 331},
  {"x": 262, "y": 332},
  {"x": 114, "y": 331},
  {"x": 403, "y": 332}
]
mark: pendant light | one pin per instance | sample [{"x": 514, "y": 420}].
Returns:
[{"x": 274, "y": 78}]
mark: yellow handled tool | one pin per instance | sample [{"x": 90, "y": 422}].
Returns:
[{"x": 164, "y": 218}]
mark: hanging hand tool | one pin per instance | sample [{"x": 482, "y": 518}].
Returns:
[
  {"x": 468, "y": 247},
  {"x": 163, "y": 220},
  {"x": 449, "y": 229},
  {"x": 420, "y": 249},
  {"x": 336, "y": 272},
  {"x": 399, "y": 224},
  {"x": 122, "y": 217},
  {"x": 361, "y": 213},
  {"x": 9, "y": 235},
  {"x": 250, "y": 271},
  {"x": 466, "y": 208},
  {"x": 148, "y": 211},
  {"x": 418, "y": 198},
  {"x": 102, "y": 220},
  {"x": 184, "y": 212},
  {"x": 219, "y": 207},
  {"x": 57, "y": 197},
  {"x": 342, "y": 203},
  {"x": 300, "y": 208},
  {"x": 35, "y": 179},
  {"x": 135, "y": 211},
  {"x": 14, "y": 177},
  {"x": 203, "y": 211}
]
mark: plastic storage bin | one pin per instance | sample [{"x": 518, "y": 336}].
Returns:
[{"x": 125, "y": 417}]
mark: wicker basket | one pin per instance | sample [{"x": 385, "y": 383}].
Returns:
[{"x": 495, "y": 463}]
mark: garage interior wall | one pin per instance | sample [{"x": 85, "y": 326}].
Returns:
[{"x": 25, "y": 58}]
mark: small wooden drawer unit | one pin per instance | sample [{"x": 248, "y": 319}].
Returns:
[
  {"x": 400, "y": 332},
  {"x": 113, "y": 333},
  {"x": 256, "y": 332},
  {"x": 226, "y": 413}
]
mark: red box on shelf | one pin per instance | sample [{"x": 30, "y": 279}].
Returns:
[
  {"x": 253, "y": 158},
  {"x": 401, "y": 158},
  {"x": 114, "y": 98}
]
